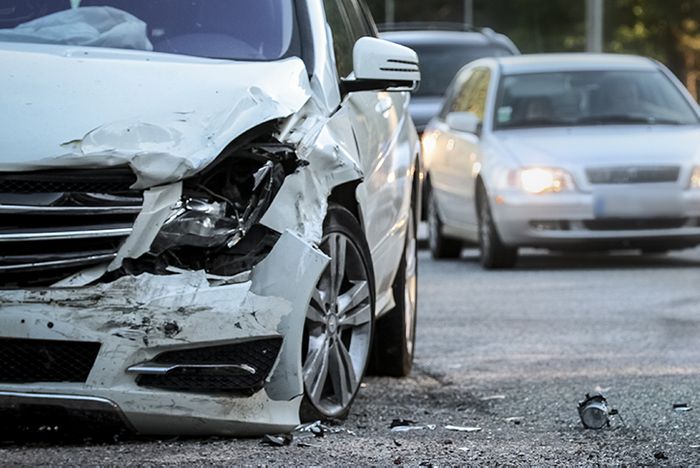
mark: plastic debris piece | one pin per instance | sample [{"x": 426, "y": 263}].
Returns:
[
  {"x": 660, "y": 456},
  {"x": 515, "y": 420},
  {"x": 463, "y": 428},
  {"x": 594, "y": 412},
  {"x": 279, "y": 440},
  {"x": 493, "y": 397},
  {"x": 401, "y": 422},
  {"x": 682, "y": 407}
]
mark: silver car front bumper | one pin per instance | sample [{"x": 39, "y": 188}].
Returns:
[{"x": 640, "y": 218}]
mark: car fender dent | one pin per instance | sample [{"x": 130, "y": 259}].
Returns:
[{"x": 301, "y": 204}]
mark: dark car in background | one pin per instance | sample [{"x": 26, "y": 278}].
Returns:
[{"x": 443, "y": 48}]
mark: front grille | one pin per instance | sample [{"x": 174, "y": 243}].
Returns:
[
  {"x": 30, "y": 361},
  {"x": 54, "y": 223},
  {"x": 259, "y": 354},
  {"x": 76, "y": 181},
  {"x": 634, "y": 224},
  {"x": 633, "y": 174}
]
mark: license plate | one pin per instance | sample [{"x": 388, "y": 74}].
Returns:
[{"x": 636, "y": 203}]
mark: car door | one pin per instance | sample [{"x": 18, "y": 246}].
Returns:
[
  {"x": 376, "y": 119},
  {"x": 458, "y": 160}
]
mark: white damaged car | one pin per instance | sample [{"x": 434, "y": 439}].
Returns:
[{"x": 208, "y": 210}]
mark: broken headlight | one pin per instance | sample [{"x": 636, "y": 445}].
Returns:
[
  {"x": 216, "y": 225},
  {"x": 206, "y": 219}
]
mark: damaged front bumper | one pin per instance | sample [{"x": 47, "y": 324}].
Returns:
[{"x": 145, "y": 321}]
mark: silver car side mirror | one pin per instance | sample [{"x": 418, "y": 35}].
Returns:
[{"x": 467, "y": 122}]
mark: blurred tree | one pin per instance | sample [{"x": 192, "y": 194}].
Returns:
[{"x": 667, "y": 30}]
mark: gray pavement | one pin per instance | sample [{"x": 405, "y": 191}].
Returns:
[{"x": 510, "y": 353}]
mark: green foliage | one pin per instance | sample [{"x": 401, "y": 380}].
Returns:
[{"x": 667, "y": 30}]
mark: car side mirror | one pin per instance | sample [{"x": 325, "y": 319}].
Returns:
[
  {"x": 467, "y": 122},
  {"x": 381, "y": 65}
]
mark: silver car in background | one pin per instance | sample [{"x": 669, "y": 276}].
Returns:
[{"x": 563, "y": 152}]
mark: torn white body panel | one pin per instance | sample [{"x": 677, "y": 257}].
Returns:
[
  {"x": 137, "y": 318},
  {"x": 108, "y": 107}
]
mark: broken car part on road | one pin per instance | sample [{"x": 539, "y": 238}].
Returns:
[{"x": 200, "y": 255}]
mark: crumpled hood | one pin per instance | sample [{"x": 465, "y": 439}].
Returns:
[
  {"x": 166, "y": 116},
  {"x": 602, "y": 146}
]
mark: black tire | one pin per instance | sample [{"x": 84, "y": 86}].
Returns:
[
  {"x": 395, "y": 335},
  {"x": 440, "y": 246},
  {"x": 494, "y": 254},
  {"x": 333, "y": 335}
]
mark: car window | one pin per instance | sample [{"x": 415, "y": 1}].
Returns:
[
  {"x": 238, "y": 30},
  {"x": 343, "y": 37},
  {"x": 471, "y": 96},
  {"x": 440, "y": 62},
  {"x": 590, "y": 98}
]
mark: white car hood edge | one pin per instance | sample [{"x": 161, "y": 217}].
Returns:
[{"x": 165, "y": 116}]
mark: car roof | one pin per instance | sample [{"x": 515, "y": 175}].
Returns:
[
  {"x": 477, "y": 38},
  {"x": 537, "y": 63}
]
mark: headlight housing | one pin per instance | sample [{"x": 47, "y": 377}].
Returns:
[
  {"x": 537, "y": 180},
  {"x": 224, "y": 203},
  {"x": 695, "y": 178}
]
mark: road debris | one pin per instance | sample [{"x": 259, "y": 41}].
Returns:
[
  {"x": 515, "y": 420},
  {"x": 406, "y": 425},
  {"x": 463, "y": 428},
  {"x": 682, "y": 407},
  {"x": 279, "y": 440},
  {"x": 493, "y": 397},
  {"x": 660, "y": 456},
  {"x": 594, "y": 412}
]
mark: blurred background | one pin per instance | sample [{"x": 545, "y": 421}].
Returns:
[{"x": 667, "y": 30}]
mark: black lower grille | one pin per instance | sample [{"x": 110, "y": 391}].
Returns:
[
  {"x": 31, "y": 361},
  {"x": 260, "y": 355},
  {"x": 634, "y": 224}
]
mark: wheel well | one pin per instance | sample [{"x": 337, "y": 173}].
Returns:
[{"x": 344, "y": 195}]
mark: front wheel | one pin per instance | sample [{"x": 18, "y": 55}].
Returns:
[
  {"x": 339, "y": 321},
  {"x": 494, "y": 254},
  {"x": 396, "y": 331}
]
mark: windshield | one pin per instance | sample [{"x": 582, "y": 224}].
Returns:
[
  {"x": 440, "y": 62},
  {"x": 590, "y": 98},
  {"x": 228, "y": 29}
]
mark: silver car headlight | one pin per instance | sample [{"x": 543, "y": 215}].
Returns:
[
  {"x": 537, "y": 180},
  {"x": 695, "y": 178}
]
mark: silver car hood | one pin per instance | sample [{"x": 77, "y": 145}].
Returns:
[
  {"x": 166, "y": 116},
  {"x": 602, "y": 146}
]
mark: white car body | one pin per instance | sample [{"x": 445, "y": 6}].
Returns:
[
  {"x": 613, "y": 214},
  {"x": 169, "y": 117}
]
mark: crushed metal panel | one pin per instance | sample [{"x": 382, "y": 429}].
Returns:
[
  {"x": 291, "y": 271},
  {"x": 301, "y": 204},
  {"x": 164, "y": 135},
  {"x": 158, "y": 204}
]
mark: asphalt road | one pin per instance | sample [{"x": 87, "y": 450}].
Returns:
[{"x": 510, "y": 353}]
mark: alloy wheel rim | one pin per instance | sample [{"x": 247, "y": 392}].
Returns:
[{"x": 338, "y": 328}]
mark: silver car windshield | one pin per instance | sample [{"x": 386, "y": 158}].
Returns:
[
  {"x": 227, "y": 29},
  {"x": 591, "y": 98}
]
